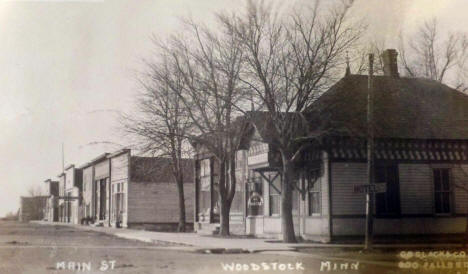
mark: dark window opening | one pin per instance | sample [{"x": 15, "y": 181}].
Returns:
[
  {"x": 388, "y": 203},
  {"x": 441, "y": 191}
]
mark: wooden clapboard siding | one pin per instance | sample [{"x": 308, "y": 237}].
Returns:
[
  {"x": 119, "y": 167},
  {"x": 157, "y": 202},
  {"x": 70, "y": 178},
  {"x": 416, "y": 189},
  {"x": 344, "y": 177},
  {"x": 119, "y": 175},
  {"x": 101, "y": 170},
  {"x": 460, "y": 177},
  {"x": 88, "y": 188},
  {"x": 325, "y": 179}
]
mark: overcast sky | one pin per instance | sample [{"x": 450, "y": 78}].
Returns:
[{"x": 67, "y": 67}]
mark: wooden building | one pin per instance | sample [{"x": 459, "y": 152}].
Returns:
[
  {"x": 421, "y": 162},
  {"x": 62, "y": 205},
  {"x": 122, "y": 190},
  {"x": 32, "y": 208},
  {"x": 96, "y": 190},
  {"x": 70, "y": 185},
  {"x": 51, "y": 208}
]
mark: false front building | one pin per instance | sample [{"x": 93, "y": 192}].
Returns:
[
  {"x": 51, "y": 208},
  {"x": 421, "y": 163},
  {"x": 69, "y": 199},
  {"x": 122, "y": 190}
]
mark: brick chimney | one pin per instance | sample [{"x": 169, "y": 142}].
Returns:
[{"x": 390, "y": 63}]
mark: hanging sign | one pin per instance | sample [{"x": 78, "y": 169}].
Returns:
[{"x": 255, "y": 199}]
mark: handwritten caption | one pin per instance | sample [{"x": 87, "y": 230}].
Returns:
[
  {"x": 333, "y": 266},
  {"x": 264, "y": 266},
  {"x": 433, "y": 260},
  {"x": 85, "y": 266}
]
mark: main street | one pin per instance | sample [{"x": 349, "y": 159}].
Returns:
[{"x": 34, "y": 248}]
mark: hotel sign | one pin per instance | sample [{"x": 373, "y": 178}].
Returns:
[{"x": 372, "y": 188}]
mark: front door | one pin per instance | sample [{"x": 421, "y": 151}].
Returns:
[
  {"x": 118, "y": 209},
  {"x": 102, "y": 200}
]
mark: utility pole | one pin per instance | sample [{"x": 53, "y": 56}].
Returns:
[
  {"x": 370, "y": 156},
  {"x": 63, "y": 159}
]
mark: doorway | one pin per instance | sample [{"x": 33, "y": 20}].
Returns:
[{"x": 102, "y": 199}]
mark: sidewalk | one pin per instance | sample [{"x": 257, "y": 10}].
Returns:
[{"x": 200, "y": 243}]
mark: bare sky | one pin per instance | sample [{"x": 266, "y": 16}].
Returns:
[{"x": 66, "y": 68}]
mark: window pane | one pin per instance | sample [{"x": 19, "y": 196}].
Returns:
[
  {"x": 380, "y": 175},
  {"x": 445, "y": 179},
  {"x": 446, "y": 202},
  {"x": 388, "y": 202},
  {"x": 314, "y": 203},
  {"x": 437, "y": 185},
  {"x": 275, "y": 205},
  {"x": 438, "y": 202},
  {"x": 380, "y": 203},
  {"x": 314, "y": 185}
]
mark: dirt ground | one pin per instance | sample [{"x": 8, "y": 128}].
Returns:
[{"x": 32, "y": 248}]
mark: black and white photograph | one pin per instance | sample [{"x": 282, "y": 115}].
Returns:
[{"x": 233, "y": 136}]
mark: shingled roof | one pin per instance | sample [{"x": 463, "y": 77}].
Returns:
[{"x": 410, "y": 108}]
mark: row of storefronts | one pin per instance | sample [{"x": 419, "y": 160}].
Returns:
[{"x": 120, "y": 190}]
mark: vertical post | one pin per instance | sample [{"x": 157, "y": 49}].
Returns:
[
  {"x": 110, "y": 194},
  {"x": 63, "y": 159},
  {"x": 370, "y": 157}
]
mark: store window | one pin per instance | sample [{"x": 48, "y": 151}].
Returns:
[{"x": 275, "y": 194}]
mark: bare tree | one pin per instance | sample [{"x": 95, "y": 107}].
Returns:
[
  {"x": 209, "y": 63},
  {"x": 290, "y": 60},
  {"x": 359, "y": 57},
  {"x": 431, "y": 55},
  {"x": 35, "y": 191},
  {"x": 162, "y": 123}
]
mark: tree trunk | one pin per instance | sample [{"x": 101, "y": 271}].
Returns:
[
  {"x": 180, "y": 189},
  {"x": 287, "y": 225},
  {"x": 223, "y": 201},
  {"x": 224, "y": 218}
]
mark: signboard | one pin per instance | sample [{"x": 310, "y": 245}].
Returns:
[
  {"x": 380, "y": 187},
  {"x": 255, "y": 200},
  {"x": 374, "y": 188}
]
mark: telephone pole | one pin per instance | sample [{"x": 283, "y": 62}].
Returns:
[
  {"x": 63, "y": 159},
  {"x": 370, "y": 156}
]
